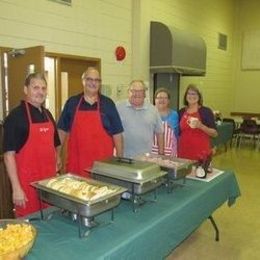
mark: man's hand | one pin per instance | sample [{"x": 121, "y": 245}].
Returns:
[
  {"x": 19, "y": 198},
  {"x": 58, "y": 163}
]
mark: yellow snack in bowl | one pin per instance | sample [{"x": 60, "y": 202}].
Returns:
[{"x": 16, "y": 239}]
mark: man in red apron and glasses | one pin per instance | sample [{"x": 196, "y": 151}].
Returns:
[
  {"x": 30, "y": 142},
  {"x": 92, "y": 124}
]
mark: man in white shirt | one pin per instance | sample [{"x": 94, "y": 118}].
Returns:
[{"x": 141, "y": 121}]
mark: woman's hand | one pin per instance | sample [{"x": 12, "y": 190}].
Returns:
[
  {"x": 197, "y": 124},
  {"x": 209, "y": 131}
]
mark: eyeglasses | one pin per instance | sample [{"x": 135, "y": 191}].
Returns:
[
  {"x": 92, "y": 80},
  {"x": 192, "y": 94},
  {"x": 162, "y": 98},
  {"x": 137, "y": 90}
]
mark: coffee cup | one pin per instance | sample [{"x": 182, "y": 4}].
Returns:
[
  {"x": 200, "y": 172},
  {"x": 192, "y": 121}
]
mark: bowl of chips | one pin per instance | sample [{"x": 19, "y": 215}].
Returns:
[{"x": 16, "y": 238}]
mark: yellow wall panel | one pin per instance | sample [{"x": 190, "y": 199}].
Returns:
[
  {"x": 206, "y": 20},
  {"x": 246, "y": 82},
  {"x": 95, "y": 28},
  {"x": 87, "y": 28}
]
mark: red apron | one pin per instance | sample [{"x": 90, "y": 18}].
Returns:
[
  {"x": 35, "y": 161},
  {"x": 193, "y": 144},
  {"x": 88, "y": 141},
  {"x": 170, "y": 141}
]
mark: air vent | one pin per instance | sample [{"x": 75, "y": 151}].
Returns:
[
  {"x": 222, "y": 41},
  {"x": 174, "y": 50}
]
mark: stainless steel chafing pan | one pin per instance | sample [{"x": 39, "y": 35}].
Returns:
[
  {"x": 137, "y": 176},
  {"x": 177, "y": 168},
  {"x": 85, "y": 208}
]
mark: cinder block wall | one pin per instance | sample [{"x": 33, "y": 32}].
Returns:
[{"x": 87, "y": 28}]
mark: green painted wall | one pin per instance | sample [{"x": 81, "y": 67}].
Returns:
[
  {"x": 206, "y": 20},
  {"x": 95, "y": 28},
  {"x": 246, "y": 82}
]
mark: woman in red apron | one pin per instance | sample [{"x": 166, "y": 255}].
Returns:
[{"x": 197, "y": 126}]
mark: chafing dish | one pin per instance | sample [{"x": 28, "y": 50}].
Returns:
[
  {"x": 85, "y": 209},
  {"x": 177, "y": 168},
  {"x": 137, "y": 176}
]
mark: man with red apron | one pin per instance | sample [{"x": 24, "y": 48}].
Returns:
[
  {"x": 35, "y": 161},
  {"x": 92, "y": 124},
  {"x": 88, "y": 141},
  {"x": 194, "y": 144},
  {"x": 30, "y": 141}
]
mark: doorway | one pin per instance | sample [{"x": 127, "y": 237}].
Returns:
[
  {"x": 64, "y": 78},
  {"x": 63, "y": 73},
  {"x": 71, "y": 70},
  {"x": 170, "y": 81}
]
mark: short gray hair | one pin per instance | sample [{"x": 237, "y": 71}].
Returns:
[
  {"x": 138, "y": 81},
  {"x": 87, "y": 70},
  {"x": 35, "y": 75}
]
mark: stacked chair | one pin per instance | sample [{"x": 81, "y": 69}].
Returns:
[
  {"x": 249, "y": 128},
  {"x": 236, "y": 132}
]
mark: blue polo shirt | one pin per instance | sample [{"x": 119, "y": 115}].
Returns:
[{"x": 109, "y": 116}]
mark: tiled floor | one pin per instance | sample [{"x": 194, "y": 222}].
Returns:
[{"x": 239, "y": 225}]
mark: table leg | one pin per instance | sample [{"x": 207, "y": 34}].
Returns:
[{"x": 215, "y": 227}]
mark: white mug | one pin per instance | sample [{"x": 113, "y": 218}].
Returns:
[
  {"x": 200, "y": 172},
  {"x": 192, "y": 121}
]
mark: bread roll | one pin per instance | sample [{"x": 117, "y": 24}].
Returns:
[{"x": 78, "y": 188}]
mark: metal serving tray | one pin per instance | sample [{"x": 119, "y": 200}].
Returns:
[
  {"x": 132, "y": 187},
  {"x": 177, "y": 168},
  {"x": 85, "y": 208},
  {"x": 137, "y": 176}
]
